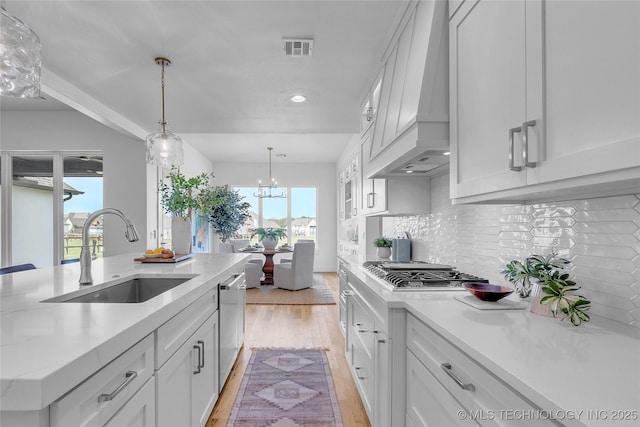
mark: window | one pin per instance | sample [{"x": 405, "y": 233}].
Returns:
[
  {"x": 51, "y": 194},
  {"x": 296, "y": 213}
]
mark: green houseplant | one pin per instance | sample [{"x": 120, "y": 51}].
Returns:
[
  {"x": 180, "y": 195},
  {"x": 383, "y": 246},
  {"x": 224, "y": 209},
  {"x": 553, "y": 286},
  {"x": 269, "y": 236}
]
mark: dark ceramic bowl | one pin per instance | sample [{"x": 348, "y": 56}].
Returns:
[{"x": 487, "y": 291}]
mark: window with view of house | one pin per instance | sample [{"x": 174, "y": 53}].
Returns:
[
  {"x": 296, "y": 213},
  {"x": 51, "y": 196}
]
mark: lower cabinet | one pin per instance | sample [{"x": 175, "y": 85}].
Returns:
[
  {"x": 429, "y": 404},
  {"x": 467, "y": 391},
  {"x": 368, "y": 350},
  {"x": 140, "y": 410},
  {"x": 187, "y": 384}
]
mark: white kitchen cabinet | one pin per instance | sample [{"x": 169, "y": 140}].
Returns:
[
  {"x": 139, "y": 411},
  {"x": 429, "y": 404},
  {"x": 97, "y": 399},
  {"x": 369, "y": 107},
  {"x": 368, "y": 350},
  {"x": 546, "y": 104},
  {"x": 482, "y": 395},
  {"x": 187, "y": 384}
]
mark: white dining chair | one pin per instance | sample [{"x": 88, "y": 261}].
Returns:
[
  {"x": 297, "y": 274},
  {"x": 299, "y": 241},
  {"x": 252, "y": 269}
]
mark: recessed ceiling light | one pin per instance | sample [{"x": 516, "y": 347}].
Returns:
[
  {"x": 298, "y": 98},
  {"x": 409, "y": 171},
  {"x": 446, "y": 153}
]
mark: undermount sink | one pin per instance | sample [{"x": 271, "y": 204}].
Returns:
[{"x": 131, "y": 289}]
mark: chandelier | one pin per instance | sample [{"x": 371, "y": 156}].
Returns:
[
  {"x": 164, "y": 148},
  {"x": 20, "y": 59},
  {"x": 267, "y": 190}
]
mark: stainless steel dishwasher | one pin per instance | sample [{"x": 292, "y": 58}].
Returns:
[{"x": 232, "y": 299}]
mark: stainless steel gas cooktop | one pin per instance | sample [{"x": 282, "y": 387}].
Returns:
[{"x": 419, "y": 276}]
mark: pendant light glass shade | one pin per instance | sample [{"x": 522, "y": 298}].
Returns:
[
  {"x": 20, "y": 58},
  {"x": 164, "y": 148}
]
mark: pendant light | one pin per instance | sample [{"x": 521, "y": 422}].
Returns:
[
  {"x": 267, "y": 190},
  {"x": 20, "y": 58},
  {"x": 164, "y": 148}
]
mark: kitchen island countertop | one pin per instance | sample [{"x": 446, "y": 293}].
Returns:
[{"x": 48, "y": 348}]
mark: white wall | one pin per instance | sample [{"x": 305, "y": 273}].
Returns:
[
  {"x": 320, "y": 175},
  {"x": 125, "y": 174}
]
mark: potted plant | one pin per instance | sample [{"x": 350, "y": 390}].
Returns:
[
  {"x": 550, "y": 285},
  {"x": 269, "y": 236},
  {"x": 224, "y": 209},
  {"x": 179, "y": 197},
  {"x": 383, "y": 246}
]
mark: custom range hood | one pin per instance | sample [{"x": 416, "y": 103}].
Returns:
[{"x": 411, "y": 131}]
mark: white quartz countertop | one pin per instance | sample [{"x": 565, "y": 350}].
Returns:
[
  {"x": 585, "y": 375},
  {"x": 48, "y": 348}
]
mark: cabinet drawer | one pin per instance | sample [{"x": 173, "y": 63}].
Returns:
[
  {"x": 140, "y": 410},
  {"x": 362, "y": 325},
  {"x": 98, "y": 398},
  {"x": 490, "y": 395},
  {"x": 171, "y": 335},
  {"x": 363, "y": 374}
]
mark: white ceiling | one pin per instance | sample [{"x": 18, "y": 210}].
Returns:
[{"x": 228, "y": 89}]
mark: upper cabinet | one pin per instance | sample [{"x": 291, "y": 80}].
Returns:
[
  {"x": 546, "y": 105},
  {"x": 369, "y": 109},
  {"x": 413, "y": 111}
]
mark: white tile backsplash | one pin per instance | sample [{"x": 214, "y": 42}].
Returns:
[{"x": 601, "y": 236}]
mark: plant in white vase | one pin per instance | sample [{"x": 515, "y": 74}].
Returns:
[
  {"x": 179, "y": 197},
  {"x": 383, "y": 246},
  {"x": 269, "y": 236}
]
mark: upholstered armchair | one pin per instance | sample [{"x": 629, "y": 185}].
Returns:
[
  {"x": 252, "y": 270},
  {"x": 299, "y": 241},
  {"x": 297, "y": 274}
]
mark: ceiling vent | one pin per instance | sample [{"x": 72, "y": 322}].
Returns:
[{"x": 297, "y": 48}]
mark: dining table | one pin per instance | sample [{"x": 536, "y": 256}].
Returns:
[{"x": 267, "y": 268}]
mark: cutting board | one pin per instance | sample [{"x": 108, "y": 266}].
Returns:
[{"x": 176, "y": 258}]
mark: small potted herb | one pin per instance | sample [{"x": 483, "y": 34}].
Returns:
[
  {"x": 269, "y": 236},
  {"x": 383, "y": 246}
]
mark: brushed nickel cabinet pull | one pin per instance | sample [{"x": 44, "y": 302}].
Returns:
[
  {"x": 130, "y": 376},
  {"x": 201, "y": 343},
  {"x": 525, "y": 146},
  {"x": 512, "y": 132},
  {"x": 447, "y": 368},
  {"x": 198, "y": 368},
  {"x": 358, "y": 373}
]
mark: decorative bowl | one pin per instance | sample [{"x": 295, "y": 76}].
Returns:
[{"x": 487, "y": 291}]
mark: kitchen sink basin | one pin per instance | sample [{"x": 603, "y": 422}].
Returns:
[{"x": 132, "y": 289}]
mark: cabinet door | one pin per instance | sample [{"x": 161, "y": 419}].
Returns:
[
  {"x": 592, "y": 93},
  {"x": 488, "y": 94},
  {"x": 383, "y": 107},
  {"x": 140, "y": 410},
  {"x": 205, "y": 383},
  {"x": 185, "y": 387},
  {"x": 429, "y": 404}
]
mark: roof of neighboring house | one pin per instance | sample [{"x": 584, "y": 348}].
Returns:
[
  {"x": 78, "y": 219},
  {"x": 43, "y": 183},
  {"x": 301, "y": 222}
]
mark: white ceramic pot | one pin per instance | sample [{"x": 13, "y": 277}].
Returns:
[
  {"x": 383, "y": 253},
  {"x": 269, "y": 243},
  {"x": 181, "y": 236}
]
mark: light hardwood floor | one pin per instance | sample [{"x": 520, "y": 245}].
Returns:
[{"x": 296, "y": 326}]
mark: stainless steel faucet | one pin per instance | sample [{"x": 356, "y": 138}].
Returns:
[{"x": 85, "y": 255}]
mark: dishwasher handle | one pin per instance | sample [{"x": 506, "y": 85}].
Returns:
[{"x": 230, "y": 282}]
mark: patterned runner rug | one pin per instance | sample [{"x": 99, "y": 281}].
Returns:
[
  {"x": 286, "y": 388},
  {"x": 318, "y": 293}
]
